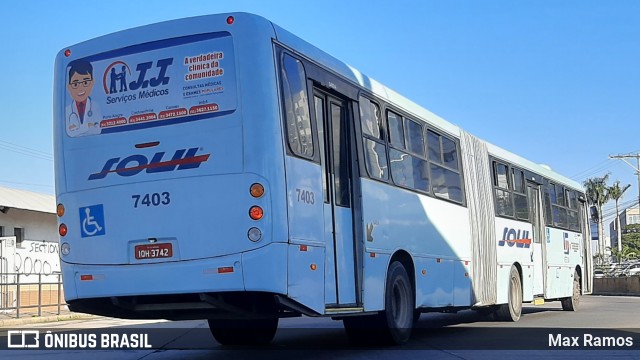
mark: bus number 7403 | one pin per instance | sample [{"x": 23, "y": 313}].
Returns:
[{"x": 154, "y": 199}]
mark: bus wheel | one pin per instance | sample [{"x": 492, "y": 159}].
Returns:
[
  {"x": 395, "y": 323},
  {"x": 243, "y": 331},
  {"x": 571, "y": 303},
  {"x": 399, "y": 308},
  {"x": 513, "y": 309}
]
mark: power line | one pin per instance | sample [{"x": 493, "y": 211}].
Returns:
[
  {"x": 623, "y": 205},
  {"x": 582, "y": 174},
  {"x": 25, "y": 150},
  {"x": 624, "y": 158},
  {"x": 598, "y": 168},
  {"x": 23, "y": 183}
]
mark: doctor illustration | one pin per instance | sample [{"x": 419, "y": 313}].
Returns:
[{"x": 82, "y": 115}]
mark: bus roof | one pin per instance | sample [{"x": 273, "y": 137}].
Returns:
[{"x": 352, "y": 74}]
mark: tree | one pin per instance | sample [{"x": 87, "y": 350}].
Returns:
[
  {"x": 615, "y": 192},
  {"x": 597, "y": 195},
  {"x": 631, "y": 237},
  {"x": 623, "y": 255}
]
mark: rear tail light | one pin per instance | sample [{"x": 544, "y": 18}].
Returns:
[
  {"x": 62, "y": 230},
  {"x": 60, "y": 210},
  {"x": 256, "y": 213},
  {"x": 256, "y": 190},
  {"x": 254, "y": 234},
  {"x": 65, "y": 249},
  {"x": 225, "y": 269}
]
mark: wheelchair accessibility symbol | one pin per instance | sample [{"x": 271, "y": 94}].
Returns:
[{"x": 92, "y": 221}]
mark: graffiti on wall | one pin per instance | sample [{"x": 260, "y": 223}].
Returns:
[{"x": 37, "y": 258}]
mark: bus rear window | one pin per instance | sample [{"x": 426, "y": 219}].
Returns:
[{"x": 152, "y": 84}]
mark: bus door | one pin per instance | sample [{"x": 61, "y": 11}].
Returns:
[
  {"x": 537, "y": 251},
  {"x": 587, "y": 273},
  {"x": 332, "y": 117}
]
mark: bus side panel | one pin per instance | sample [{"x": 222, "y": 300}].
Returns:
[
  {"x": 434, "y": 282},
  {"x": 397, "y": 219},
  {"x": 375, "y": 272},
  {"x": 563, "y": 253},
  {"x": 503, "y": 284},
  {"x": 306, "y": 276},
  {"x": 309, "y": 218},
  {"x": 527, "y": 282},
  {"x": 401, "y": 219},
  {"x": 462, "y": 284},
  {"x": 68, "y": 275},
  {"x": 304, "y": 200},
  {"x": 515, "y": 241},
  {"x": 261, "y": 275}
]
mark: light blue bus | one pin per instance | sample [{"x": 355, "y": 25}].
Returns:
[{"x": 221, "y": 168}]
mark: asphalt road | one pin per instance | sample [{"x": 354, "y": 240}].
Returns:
[{"x": 437, "y": 336}]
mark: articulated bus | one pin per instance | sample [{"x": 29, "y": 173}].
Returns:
[{"x": 221, "y": 168}]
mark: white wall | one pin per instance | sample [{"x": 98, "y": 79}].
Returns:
[{"x": 39, "y": 251}]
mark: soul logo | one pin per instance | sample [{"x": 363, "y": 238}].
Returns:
[
  {"x": 518, "y": 238},
  {"x": 182, "y": 159}
]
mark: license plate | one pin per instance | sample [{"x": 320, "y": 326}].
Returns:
[{"x": 153, "y": 251}]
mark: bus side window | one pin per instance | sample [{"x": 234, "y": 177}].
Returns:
[
  {"x": 572, "y": 213},
  {"x": 520, "y": 201},
  {"x": 409, "y": 171},
  {"x": 396, "y": 130},
  {"x": 446, "y": 180},
  {"x": 370, "y": 118},
  {"x": 548, "y": 189},
  {"x": 296, "y": 102},
  {"x": 504, "y": 201},
  {"x": 415, "y": 141},
  {"x": 375, "y": 153}
]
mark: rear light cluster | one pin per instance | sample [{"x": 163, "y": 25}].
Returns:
[
  {"x": 255, "y": 212},
  {"x": 65, "y": 248}
]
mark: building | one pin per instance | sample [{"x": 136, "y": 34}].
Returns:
[
  {"x": 627, "y": 217},
  {"x": 29, "y": 250},
  {"x": 31, "y": 218}
]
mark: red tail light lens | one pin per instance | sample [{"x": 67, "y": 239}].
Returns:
[{"x": 256, "y": 213}]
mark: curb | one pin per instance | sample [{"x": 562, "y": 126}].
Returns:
[
  {"x": 606, "y": 293},
  {"x": 44, "y": 319}
]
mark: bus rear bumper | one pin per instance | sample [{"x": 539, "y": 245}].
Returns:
[{"x": 181, "y": 289}]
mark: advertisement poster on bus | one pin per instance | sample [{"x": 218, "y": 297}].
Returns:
[{"x": 151, "y": 84}]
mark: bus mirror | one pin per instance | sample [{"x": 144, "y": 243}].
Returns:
[{"x": 595, "y": 216}]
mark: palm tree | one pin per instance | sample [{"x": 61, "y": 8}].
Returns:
[
  {"x": 615, "y": 192},
  {"x": 597, "y": 195},
  {"x": 624, "y": 254}
]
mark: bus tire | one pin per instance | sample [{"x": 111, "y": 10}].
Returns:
[
  {"x": 512, "y": 310},
  {"x": 399, "y": 305},
  {"x": 392, "y": 326},
  {"x": 243, "y": 331},
  {"x": 572, "y": 302}
]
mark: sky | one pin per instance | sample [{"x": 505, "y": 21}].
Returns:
[{"x": 557, "y": 82}]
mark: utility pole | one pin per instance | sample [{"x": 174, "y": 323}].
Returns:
[{"x": 636, "y": 168}]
